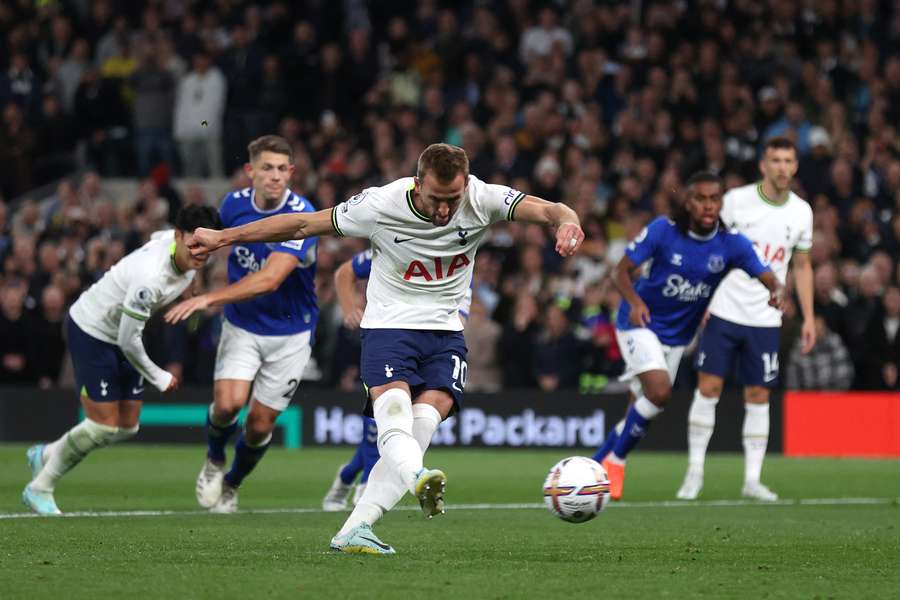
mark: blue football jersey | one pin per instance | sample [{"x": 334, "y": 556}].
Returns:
[
  {"x": 684, "y": 273},
  {"x": 290, "y": 309}
]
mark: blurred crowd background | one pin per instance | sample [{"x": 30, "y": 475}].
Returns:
[{"x": 606, "y": 106}]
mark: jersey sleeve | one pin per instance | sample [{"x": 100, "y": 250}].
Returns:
[
  {"x": 804, "y": 244},
  {"x": 362, "y": 264},
  {"x": 498, "y": 201},
  {"x": 304, "y": 250},
  {"x": 744, "y": 257},
  {"x": 140, "y": 299},
  {"x": 357, "y": 216},
  {"x": 644, "y": 245}
]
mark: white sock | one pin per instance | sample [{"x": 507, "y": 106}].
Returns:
[
  {"x": 646, "y": 409},
  {"x": 384, "y": 488},
  {"x": 756, "y": 438},
  {"x": 701, "y": 422},
  {"x": 124, "y": 433},
  {"x": 70, "y": 449},
  {"x": 394, "y": 417}
]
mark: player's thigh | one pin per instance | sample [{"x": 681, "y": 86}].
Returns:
[
  {"x": 97, "y": 366},
  {"x": 238, "y": 359},
  {"x": 279, "y": 375},
  {"x": 719, "y": 341},
  {"x": 444, "y": 372},
  {"x": 389, "y": 358},
  {"x": 758, "y": 359},
  {"x": 643, "y": 353}
]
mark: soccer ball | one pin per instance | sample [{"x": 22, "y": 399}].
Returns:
[{"x": 576, "y": 489}]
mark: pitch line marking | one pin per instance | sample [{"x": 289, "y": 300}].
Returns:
[{"x": 513, "y": 506}]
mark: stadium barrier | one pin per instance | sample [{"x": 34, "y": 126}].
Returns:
[
  {"x": 317, "y": 417},
  {"x": 847, "y": 424}
]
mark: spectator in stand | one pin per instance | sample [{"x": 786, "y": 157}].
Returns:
[
  {"x": 482, "y": 338},
  {"x": 881, "y": 362},
  {"x": 199, "y": 117},
  {"x": 154, "y": 104},
  {"x": 17, "y": 363},
  {"x": 50, "y": 347},
  {"x": 826, "y": 367},
  {"x": 557, "y": 354}
]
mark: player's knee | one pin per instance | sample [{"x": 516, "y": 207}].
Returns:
[
  {"x": 659, "y": 395},
  {"x": 756, "y": 395},
  {"x": 710, "y": 387},
  {"x": 91, "y": 435},
  {"x": 126, "y": 433},
  {"x": 258, "y": 427}
]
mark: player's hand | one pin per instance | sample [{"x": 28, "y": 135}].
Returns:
[
  {"x": 640, "y": 315},
  {"x": 569, "y": 237},
  {"x": 173, "y": 385},
  {"x": 807, "y": 336},
  {"x": 776, "y": 298},
  {"x": 183, "y": 310},
  {"x": 353, "y": 318},
  {"x": 205, "y": 241}
]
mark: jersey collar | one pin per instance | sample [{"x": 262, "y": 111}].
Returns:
[
  {"x": 172, "y": 262},
  {"x": 767, "y": 200},
  {"x": 284, "y": 199},
  {"x": 704, "y": 238},
  {"x": 412, "y": 206}
]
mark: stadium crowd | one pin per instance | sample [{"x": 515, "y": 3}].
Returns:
[{"x": 586, "y": 102}]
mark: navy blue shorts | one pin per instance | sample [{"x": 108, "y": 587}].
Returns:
[
  {"x": 754, "y": 348},
  {"x": 425, "y": 360},
  {"x": 102, "y": 373}
]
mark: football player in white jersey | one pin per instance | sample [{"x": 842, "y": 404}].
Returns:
[
  {"x": 424, "y": 233},
  {"x": 742, "y": 327},
  {"x": 104, "y": 330}
]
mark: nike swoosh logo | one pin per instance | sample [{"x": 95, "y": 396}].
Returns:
[
  {"x": 398, "y": 240},
  {"x": 137, "y": 390},
  {"x": 377, "y": 543}
]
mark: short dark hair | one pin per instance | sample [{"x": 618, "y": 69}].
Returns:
[
  {"x": 191, "y": 217},
  {"x": 444, "y": 161},
  {"x": 704, "y": 177},
  {"x": 270, "y": 143},
  {"x": 779, "y": 143}
]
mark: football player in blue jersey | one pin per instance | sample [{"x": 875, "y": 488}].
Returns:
[
  {"x": 345, "y": 278},
  {"x": 270, "y": 318},
  {"x": 689, "y": 255}
]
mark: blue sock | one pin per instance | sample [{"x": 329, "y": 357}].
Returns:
[
  {"x": 370, "y": 457},
  {"x": 606, "y": 447},
  {"x": 352, "y": 468},
  {"x": 217, "y": 438},
  {"x": 636, "y": 423},
  {"x": 245, "y": 459}
]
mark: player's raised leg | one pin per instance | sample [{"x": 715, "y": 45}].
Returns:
[
  {"x": 385, "y": 488},
  {"x": 105, "y": 423}
]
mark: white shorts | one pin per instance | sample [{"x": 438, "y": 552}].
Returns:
[
  {"x": 642, "y": 352},
  {"x": 274, "y": 363}
]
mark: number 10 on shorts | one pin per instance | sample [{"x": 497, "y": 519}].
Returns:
[{"x": 460, "y": 372}]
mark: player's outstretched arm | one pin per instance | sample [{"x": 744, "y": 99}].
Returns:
[
  {"x": 265, "y": 281},
  {"x": 279, "y": 228},
  {"x": 569, "y": 235},
  {"x": 776, "y": 290},
  {"x": 801, "y": 265},
  {"x": 640, "y": 314},
  {"x": 348, "y": 298},
  {"x": 129, "y": 340}
]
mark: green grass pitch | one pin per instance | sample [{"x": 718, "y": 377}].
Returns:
[{"x": 645, "y": 547}]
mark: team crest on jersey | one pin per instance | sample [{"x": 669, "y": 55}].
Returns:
[
  {"x": 716, "y": 263},
  {"x": 463, "y": 237}
]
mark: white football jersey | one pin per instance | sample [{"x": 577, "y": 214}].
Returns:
[
  {"x": 776, "y": 230},
  {"x": 138, "y": 284},
  {"x": 420, "y": 272}
]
